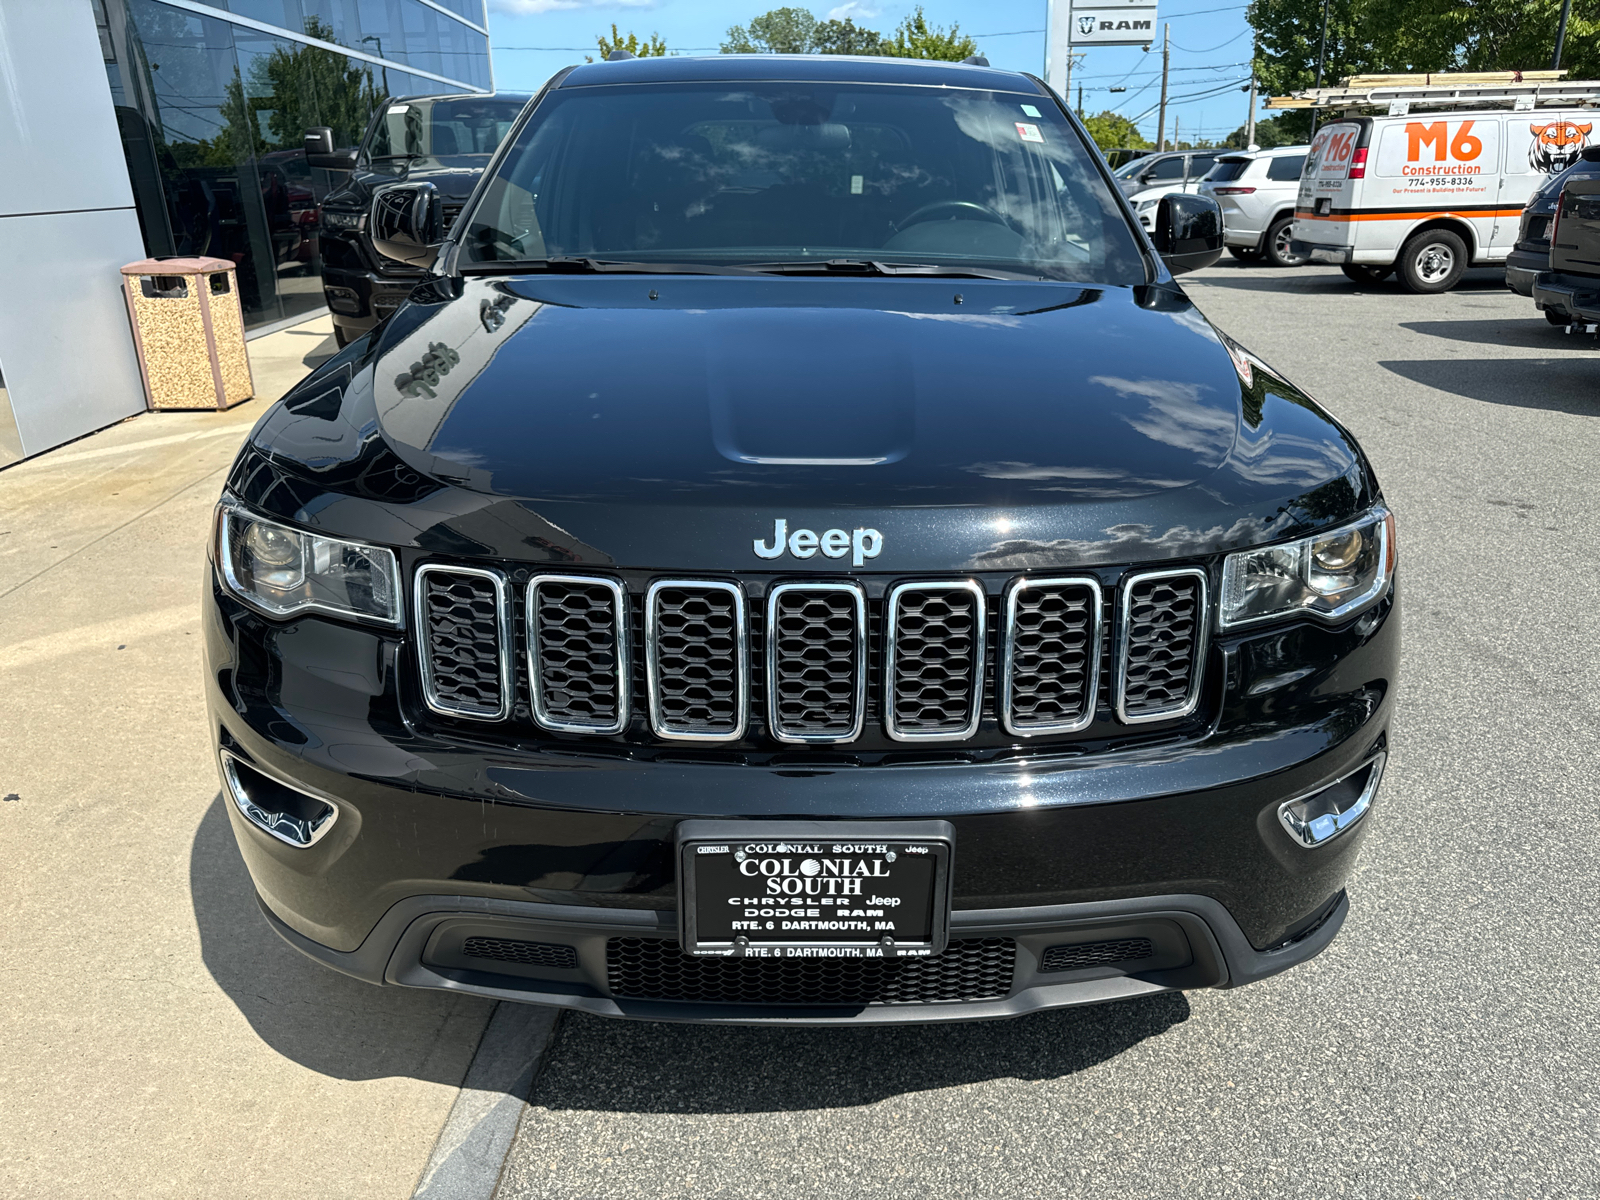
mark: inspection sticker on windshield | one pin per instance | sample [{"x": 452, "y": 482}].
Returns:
[
  {"x": 396, "y": 109},
  {"x": 1029, "y": 110},
  {"x": 1029, "y": 133}
]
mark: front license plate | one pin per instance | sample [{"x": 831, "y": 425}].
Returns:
[{"x": 814, "y": 889}]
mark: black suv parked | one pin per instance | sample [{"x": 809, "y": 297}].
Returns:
[
  {"x": 801, "y": 558},
  {"x": 445, "y": 140},
  {"x": 1569, "y": 290}
]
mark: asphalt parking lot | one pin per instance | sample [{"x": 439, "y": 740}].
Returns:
[{"x": 1445, "y": 1046}]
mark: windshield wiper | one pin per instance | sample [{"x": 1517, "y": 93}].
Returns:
[
  {"x": 569, "y": 264},
  {"x": 392, "y": 157},
  {"x": 870, "y": 266}
]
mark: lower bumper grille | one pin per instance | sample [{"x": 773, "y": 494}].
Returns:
[
  {"x": 527, "y": 954},
  {"x": 657, "y": 969},
  {"x": 1096, "y": 954}
]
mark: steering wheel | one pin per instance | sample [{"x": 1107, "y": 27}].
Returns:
[{"x": 956, "y": 209}]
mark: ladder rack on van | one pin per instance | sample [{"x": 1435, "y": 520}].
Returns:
[{"x": 1519, "y": 91}]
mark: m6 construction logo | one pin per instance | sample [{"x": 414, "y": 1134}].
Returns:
[{"x": 1444, "y": 153}]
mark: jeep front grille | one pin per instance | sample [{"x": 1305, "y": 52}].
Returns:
[
  {"x": 816, "y": 661},
  {"x": 578, "y": 653},
  {"x": 829, "y": 664},
  {"x": 1162, "y": 632},
  {"x": 1051, "y": 656},
  {"x": 695, "y": 660},
  {"x": 934, "y": 673},
  {"x": 463, "y": 617}
]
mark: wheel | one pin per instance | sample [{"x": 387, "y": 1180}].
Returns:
[
  {"x": 1556, "y": 318},
  {"x": 1276, "y": 244},
  {"x": 1432, "y": 261},
  {"x": 1360, "y": 273},
  {"x": 340, "y": 337},
  {"x": 1245, "y": 253}
]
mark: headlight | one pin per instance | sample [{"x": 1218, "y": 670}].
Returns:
[
  {"x": 1331, "y": 575},
  {"x": 334, "y": 219},
  {"x": 283, "y": 571},
  {"x": 1147, "y": 205}
]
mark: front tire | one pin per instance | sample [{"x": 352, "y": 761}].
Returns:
[
  {"x": 1360, "y": 273},
  {"x": 1432, "y": 261},
  {"x": 1276, "y": 244}
]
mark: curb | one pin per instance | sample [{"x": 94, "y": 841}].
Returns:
[{"x": 477, "y": 1135}]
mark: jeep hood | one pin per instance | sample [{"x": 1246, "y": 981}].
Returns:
[{"x": 672, "y": 420}]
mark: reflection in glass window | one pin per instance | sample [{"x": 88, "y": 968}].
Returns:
[
  {"x": 442, "y": 128},
  {"x": 804, "y": 171}
]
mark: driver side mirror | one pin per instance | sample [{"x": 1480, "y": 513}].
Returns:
[
  {"x": 320, "y": 152},
  {"x": 1188, "y": 232},
  {"x": 408, "y": 223}
]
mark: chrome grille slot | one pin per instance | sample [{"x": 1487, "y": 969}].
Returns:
[
  {"x": 1161, "y": 639},
  {"x": 695, "y": 660},
  {"x": 933, "y": 676},
  {"x": 578, "y": 653},
  {"x": 816, "y": 661},
  {"x": 463, "y": 623},
  {"x": 1050, "y": 656}
]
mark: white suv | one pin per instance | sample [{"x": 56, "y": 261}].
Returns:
[
  {"x": 1257, "y": 189},
  {"x": 1145, "y": 180}
]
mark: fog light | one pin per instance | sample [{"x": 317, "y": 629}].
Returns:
[
  {"x": 288, "y": 814},
  {"x": 1316, "y": 819}
]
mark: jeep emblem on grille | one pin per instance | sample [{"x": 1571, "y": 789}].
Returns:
[{"x": 834, "y": 543}]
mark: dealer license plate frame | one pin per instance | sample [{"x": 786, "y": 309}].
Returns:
[{"x": 699, "y": 840}]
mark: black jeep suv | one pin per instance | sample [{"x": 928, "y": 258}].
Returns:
[
  {"x": 445, "y": 140},
  {"x": 802, "y": 558}
]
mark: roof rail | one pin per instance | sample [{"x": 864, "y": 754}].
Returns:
[{"x": 1521, "y": 91}]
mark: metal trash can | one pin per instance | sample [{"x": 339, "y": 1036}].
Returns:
[{"x": 189, "y": 331}]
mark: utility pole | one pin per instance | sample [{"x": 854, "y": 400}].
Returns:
[
  {"x": 1250, "y": 117},
  {"x": 1080, "y": 102},
  {"x": 1177, "y": 142},
  {"x": 1322, "y": 54},
  {"x": 1561, "y": 33},
  {"x": 1166, "y": 57}
]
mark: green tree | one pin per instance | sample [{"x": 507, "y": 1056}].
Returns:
[
  {"x": 781, "y": 31},
  {"x": 631, "y": 42},
  {"x": 1413, "y": 36},
  {"x": 846, "y": 37},
  {"x": 915, "y": 38},
  {"x": 1111, "y": 131}
]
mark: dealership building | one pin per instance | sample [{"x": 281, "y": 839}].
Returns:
[{"x": 144, "y": 128}]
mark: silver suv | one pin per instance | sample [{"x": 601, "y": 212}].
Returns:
[{"x": 1256, "y": 189}]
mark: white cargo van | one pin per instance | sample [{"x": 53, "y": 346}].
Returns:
[{"x": 1427, "y": 194}]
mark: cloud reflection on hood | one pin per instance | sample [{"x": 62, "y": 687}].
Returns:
[{"x": 1129, "y": 543}]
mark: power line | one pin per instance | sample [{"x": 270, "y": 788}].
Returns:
[{"x": 1209, "y": 49}]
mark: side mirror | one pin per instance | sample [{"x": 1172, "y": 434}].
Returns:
[
  {"x": 320, "y": 151},
  {"x": 1188, "y": 231},
  {"x": 408, "y": 223}
]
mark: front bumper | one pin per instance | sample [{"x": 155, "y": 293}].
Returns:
[
  {"x": 437, "y": 839},
  {"x": 1317, "y": 252},
  {"x": 1576, "y": 297},
  {"x": 360, "y": 300}
]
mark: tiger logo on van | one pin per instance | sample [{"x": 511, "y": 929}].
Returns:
[{"x": 1556, "y": 146}]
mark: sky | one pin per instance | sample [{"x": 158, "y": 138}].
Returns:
[{"x": 1210, "y": 47}]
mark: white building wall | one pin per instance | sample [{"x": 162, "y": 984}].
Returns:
[{"x": 67, "y": 223}]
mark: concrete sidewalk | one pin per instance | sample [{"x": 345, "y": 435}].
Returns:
[{"x": 160, "y": 1040}]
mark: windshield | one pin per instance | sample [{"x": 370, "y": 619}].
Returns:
[
  {"x": 1132, "y": 167},
  {"x": 1227, "y": 168},
  {"x": 797, "y": 172},
  {"x": 441, "y": 128}
]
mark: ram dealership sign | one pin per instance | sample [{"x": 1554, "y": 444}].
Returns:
[{"x": 1094, "y": 23}]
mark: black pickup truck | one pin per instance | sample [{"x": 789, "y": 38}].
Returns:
[
  {"x": 1569, "y": 291},
  {"x": 443, "y": 140}
]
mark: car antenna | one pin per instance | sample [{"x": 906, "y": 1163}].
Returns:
[
  {"x": 619, "y": 55},
  {"x": 975, "y": 60}
]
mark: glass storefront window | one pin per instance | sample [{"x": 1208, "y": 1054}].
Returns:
[{"x": 213, "y": 114}]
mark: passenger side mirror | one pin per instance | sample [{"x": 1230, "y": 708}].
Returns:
[
  {"x": 1188, "y": 232},
  {"x": 408, "y": 223},
  {"x": 320, "y": 151}
]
